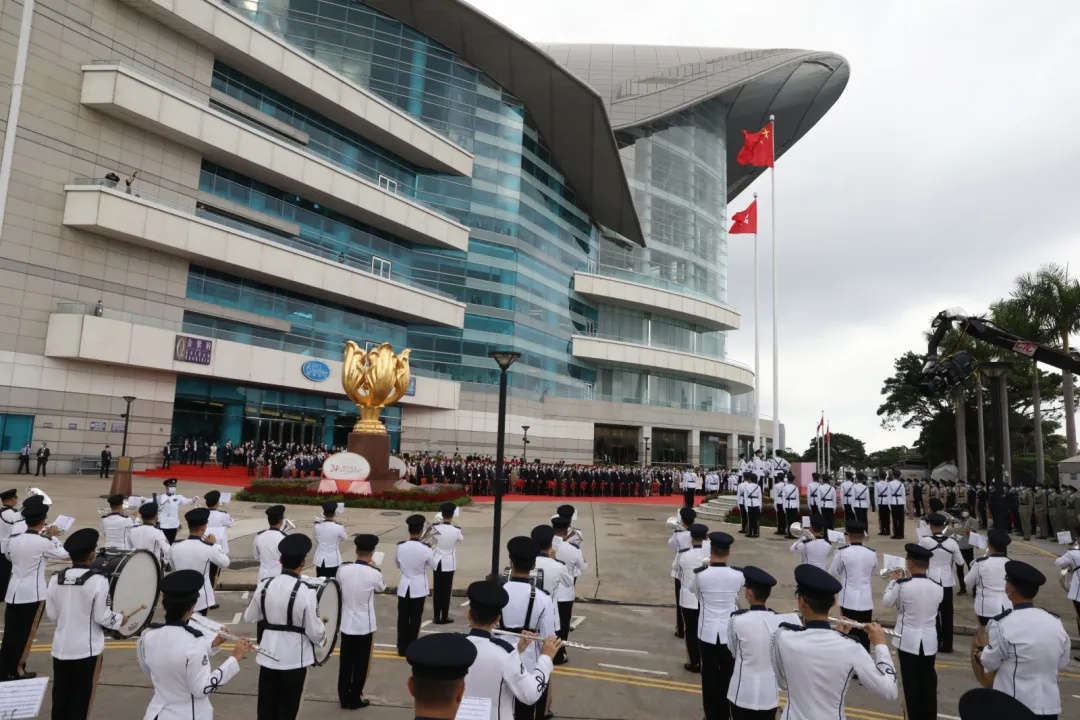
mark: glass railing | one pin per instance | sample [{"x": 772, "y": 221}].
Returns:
[
  {"x": 328, "y": 248},
  {"x": 664, "y": 346},
  {"x": 654, "y": 275}
]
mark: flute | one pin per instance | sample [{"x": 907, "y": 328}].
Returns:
[
  {"x": 220, "y": 630},
  {"x": 860, "y": 626},
  {"x": 571, "y": 644}
]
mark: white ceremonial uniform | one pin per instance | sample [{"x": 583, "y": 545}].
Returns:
[
  {"x": 816, "y": 690},
  {"x": 1027, "y": 647},
  {"x": 689, "y": 561},
  {"x": 854, "y": 566},
  {"x": 813, "y": 552},
  {"x": 194, "y": 553},
  {"x": 717, "y": 587},
  {"x": 148, "y": 537},
  {"x": 266, "y": 552},
  {"x": 791, "y": 500},
  {"x": 753, "y": 683},
  {"x": 758, "y": 467},
  {"x": 558, "y": 580},
  {"x": 679, "y": 540},
  {"x": 897, "y": 493},
  {"x": 740, "y": 492},
  {"x": 1070, "y": 560},
  {"x": 71, "y": 605},
  {"x": 987, "y": 580},
  {"x": 812, "y": 493},
  {"x": 881, "y": 497},
  {"x": 571, "y": 555},
  {"x": 413, "y": 558},
  {"x": 498, "y": 673},
  {"x": 27, "y": 552},
  {"x": 945, "y": 553},
  {"x": 845, "y": 492},
  {"x": 776, "y": 494},
  {"x": 916, "y": 600},
  {"x": 826, "y": 497},
  {"x": 753, "y": 495},
  {"x": 115, "y": 527},
  {"x": 712, "y": 482},
  {"x": 292, "y": 638},
  {"x": 529, "y": 609},
  {"x": 11, "y": 522},
  {"x": 447, "y": 538},
  {"x": 218, "y": 525},
  {"x": 359, "y": 582},
  {"x": 169, "y": 510},
  {"x": 328, "y": 535},
  {"x": 689, "y": 480},
  {"x": 177, "y": 660},
  {"x": 860, "y": 496}
]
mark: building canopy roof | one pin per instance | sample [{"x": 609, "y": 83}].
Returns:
[{"x": 588, "y": 100}]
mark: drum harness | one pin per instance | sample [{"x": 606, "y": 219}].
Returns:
[
  {"x": 75, "y": 582},
  {"x": 528, "y": 610},
  {"x": 288, "y": 627}
]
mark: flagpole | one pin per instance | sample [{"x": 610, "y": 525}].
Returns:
[
  {"x": 757, "y": 347},
  {"x": 775, "y": 341}
]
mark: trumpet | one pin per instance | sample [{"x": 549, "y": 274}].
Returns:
[
  {"x": 893, "y": 573},
  {"x": 860, "y": 626},
  {"x": 220, "y": 630}
]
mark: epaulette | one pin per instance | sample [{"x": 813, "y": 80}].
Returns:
[
  {"x": 192, "y": 630},
  {"x": 791, "y": 626},
  {"x": 703, "y": 568},
  {"x": 984, "y": 557},
  {"x": 682, "y": 550},
  {"x": 542, "y": 590},
  {"x": 740, "y": 611},
  {"x": 904, "y": 580},
  {"x": 1049, "y": 612},
  {"x": 846, "y": 635},
  {"x": 503, "y": 644},
  {"x": 558, "y": 561},
  {"x": 402, "y": 542},
  {"x": 1002, "y": 615}
]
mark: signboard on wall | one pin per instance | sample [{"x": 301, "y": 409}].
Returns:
[
  {"x": 117, "y": 427},
  {"x": 315, "y": 370},
  {"x": 412, "y": 387},
  {"x": 192, "y": 350},
  {"x": 73, "y": 426},
  {"x": 97, "y": 425}
]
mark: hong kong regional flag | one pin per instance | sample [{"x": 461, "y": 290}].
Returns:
[
  {"x": 757, "y": 149},
  {"x": 745, "y": 221}
]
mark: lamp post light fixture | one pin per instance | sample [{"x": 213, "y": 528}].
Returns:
[
  {"x": 127, "y": 418},
  {"x": 504, "y": 359},
  {"x": 997, "y": 372},
  {"x": 647, "y": 460},
  {"x": 524, "y": 442}
]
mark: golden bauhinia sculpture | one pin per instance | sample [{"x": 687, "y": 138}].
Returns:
[{"x": 374, "y": 379}]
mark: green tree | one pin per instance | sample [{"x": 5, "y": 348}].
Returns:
[
  {"x": 891, "y": 457},
  {"x": 1017, "y": 315},
  {"x": 846, "y": 450}
]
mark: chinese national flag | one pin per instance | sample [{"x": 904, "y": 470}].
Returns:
[
  {"x": 757, "y": 149},
  {"x": 828, "y": 435},
  {"x": 745, "y": 221},
  {"x": 821, "y": 424}
]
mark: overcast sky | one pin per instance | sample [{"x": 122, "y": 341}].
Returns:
[{"x": 948, "y": 166}]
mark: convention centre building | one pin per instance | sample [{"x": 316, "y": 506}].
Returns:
[{"x": 202, "y": 200}]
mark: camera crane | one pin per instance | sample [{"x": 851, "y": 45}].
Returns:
[{"x": 939, "y": 374}]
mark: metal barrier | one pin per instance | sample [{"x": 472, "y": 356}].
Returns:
[{"x": 86, "y": 465}]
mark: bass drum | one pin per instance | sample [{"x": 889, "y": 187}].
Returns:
[
  {"x": 134, "y": 584},
  {"x": 329, "y": 606}
]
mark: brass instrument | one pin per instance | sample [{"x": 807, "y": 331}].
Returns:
[
  {"x": 978, "y": 642},
  {"x": 536, "y": 577},
  {"x": 429, "y": 537},
  {"x": 575, "y": 537},
  {"x": 1066, "y": 575},
  {"x": 675, "y": 524},
  {"x": 289, "y": 526},
  {"x": 893, "y": 573},
  {"x": 38, "y": 491},
  {"x": 438, "y": 519}
]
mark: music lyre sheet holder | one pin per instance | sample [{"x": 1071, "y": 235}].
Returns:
[
  {"x": 22, "y": 698},
  {"x": 474, "y": 708}
]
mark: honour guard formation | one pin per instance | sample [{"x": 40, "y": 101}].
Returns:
[{"x": 752, "y": 656}]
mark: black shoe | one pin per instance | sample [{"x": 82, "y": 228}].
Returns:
[
  {"x": 362, "y": 704},
  {"x": 560, "y": 660},
  {"x": 447, "y": 619},
  {"x": 962, "y": 592},
  {"x": 680, "y": 634},
  {"x": 26, "y": 676},
  {"x": 689, "y": 667}
]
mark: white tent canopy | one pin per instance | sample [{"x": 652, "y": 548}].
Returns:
[{"x": 946, "y": 471}]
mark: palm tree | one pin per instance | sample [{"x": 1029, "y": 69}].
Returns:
[
  {"x": 1017, "y": 316},
  {"x": 1053, "y": 296}
]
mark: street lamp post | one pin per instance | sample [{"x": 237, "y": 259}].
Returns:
[
  {"x": 646, "y": 460},
  {"x": 127, "y": 418},
  {"x": 504, "y": 359},
  {"x": 524, "y": 442},
  {"x": 121, "y": 480},
  {"x": 997, "y": 371}
]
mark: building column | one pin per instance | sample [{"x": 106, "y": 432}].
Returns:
[
  {"x": 733, "y": 450},
  {"x": 232, "y": 423},
  {"x": 328, "y": 430}
]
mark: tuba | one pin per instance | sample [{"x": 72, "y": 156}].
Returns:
[
  {"x": 1066, "y": 575},
  {"x": 38, "y": 491},
  {"x": 429, "y": 536}
]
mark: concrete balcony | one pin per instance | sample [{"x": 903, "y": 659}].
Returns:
[
  {"x": 657, "y": 300},
  {"x": 127, "y": 341},
  {"x": 267, "y": 57},
  {"x": 173, "y": 229},
  {"x": 149, "y": 103},
  {"x": 738, "y": 378}
]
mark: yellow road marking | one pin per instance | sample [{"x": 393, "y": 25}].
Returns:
[{"x": 1036, "y": 548}]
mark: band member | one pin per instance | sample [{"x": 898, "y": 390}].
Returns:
[
  {"x": 529, "y": 609},
  {"x": 498, "y": 672},
  {"x": 827, "y": 501},
  {"x": 680, "y": 540},
  {"x": 815, "y": 689},
  {"x": 1026, "y": 646},
  {"x": 176, "y": 657},
  {"x": 854, "y": 565},
  {"x": 148, "y": 536},
  {"x": 571, "y": 556},
  {"x": 328, "y": 534},
  {"x": 791, "y": 504},
  {"x": 987, "y": 577},
  {"x": 753, "y": 508},
  {"x": 359, "y": 583},
  {"x": 882, "y": 503},
  {"x": 439, "y": 666},
  {"x": 292, "y": 629},
  {"x": 265, "y": 547},
  {"x": 860, "y": 498},
  {"x": 26, "y": 591},
  {"x": 217, "y": 525},
  {"x": 689, "y": 561},
  {"x": 169, "y": 509},
  {"x": 897, "y": 504},
  {"x": 814, "y": 548},
  {"x": 447, "y": 538},
  {"x": 1071, "y": 560},
  {"x": 199, "y": 552},
  {"x": 568, "y": 512},
  {"x": 558, "y": 582},
  {"x": 989, "y": 704},
  {"x": 916, "y": 599},
  {"x": 10, "y": 519},
  {"x": 752, "y": 693},
  {"x": 116, "y": 524},
  {"x": 75, "y": 595},
  {"x": 717, "y": 587},
  {"x": 946, "y": 554},
  {"x": 413, "y": 558}
]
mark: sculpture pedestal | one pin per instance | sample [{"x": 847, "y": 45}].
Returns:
[
  {"x": 376, "y": 450},
  {"x": 121, "y": 480}
]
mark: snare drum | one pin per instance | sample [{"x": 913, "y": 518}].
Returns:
[
  {"x": 134, "y": 580},
  {"x": 329, "y": 607}
]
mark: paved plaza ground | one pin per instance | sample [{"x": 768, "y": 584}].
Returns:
[{"x": 627, "y": 603}]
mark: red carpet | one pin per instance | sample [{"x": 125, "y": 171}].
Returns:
[{"x": 238, "y": 477}]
